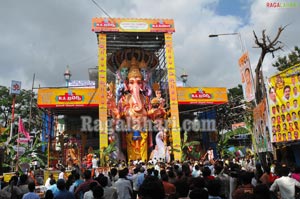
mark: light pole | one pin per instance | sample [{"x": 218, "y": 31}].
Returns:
[
  {"x": 67, "y": 76},
  {"x": 234, "y": 33},
  {"x": 184, "y": 77}
]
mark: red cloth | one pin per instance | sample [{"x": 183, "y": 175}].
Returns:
[
  {"x": 22, "y": 129},
  {"x": 296, "y": 176},
  {"x": 169, "y": 188},
  {"x": 272, "y": 178}
]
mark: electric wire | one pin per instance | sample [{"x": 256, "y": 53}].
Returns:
[{"x": 101, "y": 9}]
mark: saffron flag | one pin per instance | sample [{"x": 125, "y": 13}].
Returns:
[{"x": 22, "y": 129}]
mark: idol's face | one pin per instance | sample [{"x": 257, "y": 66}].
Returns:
[
  {"x": 145, "y": 74},
  {"x": 124, "y": 73}
]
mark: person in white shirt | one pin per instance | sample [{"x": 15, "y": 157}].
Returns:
[
  {"x": 95, "y": 162},
  {"x": 47, "y": 183},
  {"x": 285, "y": 184},
  {"x": 61, "y": 175}
]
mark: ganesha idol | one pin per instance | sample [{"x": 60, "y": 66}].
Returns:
[{"x": 132, "y": 101}]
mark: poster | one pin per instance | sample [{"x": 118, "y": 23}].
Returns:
[
  {"x": 261, "y": 127},
  {"x": 283, "y": 98},
  {"x": 247, "y": 80}
]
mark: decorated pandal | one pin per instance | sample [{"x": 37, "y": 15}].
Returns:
[{"x": 134, "y": 108}]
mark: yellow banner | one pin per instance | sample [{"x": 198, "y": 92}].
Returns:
[
  {"x": 201, "y": 95},
  {"x": 173, "y": 96},
  {"x": 132, "y": 25},
  {"x": 103, "y": 134},
  {"x": 283, "y": 95},
  {"x": 67, "y": 97}
]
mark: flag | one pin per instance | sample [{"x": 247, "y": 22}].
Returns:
[{"x": 22, "y": 129}]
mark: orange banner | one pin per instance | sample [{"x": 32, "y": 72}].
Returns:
[
  {"x": 132, "y": 25},
  {"x": 204, "y": 95},
  {"x": 67, "y": 97}
]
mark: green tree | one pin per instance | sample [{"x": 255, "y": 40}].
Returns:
[
  {"x": 233, "y": 111},
  {"x": 289, "y": 60},
  {"x": 105, "y": 155},
  {"x": 31, "y": 152},
  {"x": 188, "y": 148},
  {"x": 22, "y": 108}
]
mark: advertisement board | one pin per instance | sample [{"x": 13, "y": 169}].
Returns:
[
  {"x": 283, "y": 97},
  {"x": 132, "y": 25},
  {"x": 201, "y": 95},
  {"x": 261, "y": 127},
  {"x": 67, "y": 97},
  {"x": 247, "y": 80}
]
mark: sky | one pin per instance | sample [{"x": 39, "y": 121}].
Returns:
[{"x": 43, "y": 37}]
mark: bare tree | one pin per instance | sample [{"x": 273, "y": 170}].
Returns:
[{"x": 267, "y": 46}]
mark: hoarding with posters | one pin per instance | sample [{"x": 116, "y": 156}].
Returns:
[
  {"x": 261, "y": 127},
  {"x": 283, "y": 95},
  {"x": 247, "y": 80}
]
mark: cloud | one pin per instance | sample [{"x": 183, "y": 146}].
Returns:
[{"x": 43, "y": 37}]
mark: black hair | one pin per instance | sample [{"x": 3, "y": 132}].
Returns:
[
  {"x": 92, "y": 185},
  {"x": 97, "y": 192},
  {"x": 287, "y": 86},
  {"x": 31, "y": 186},
  {"x": 61, "y": 184},
  {"x": 152, "y": 188},
  {"x": 198, "y": 193},
  {"x": 49, "y": 194},
  {"x": 52, "y": 181},
  {"x": 23, "y": 178},
  {"x": 103, "y": 181},
  {"x": 87, "y": 174}
]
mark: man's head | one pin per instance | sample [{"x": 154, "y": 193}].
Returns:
[
  {"x": 272, "y": 94},
  {"x": 296, "y": 135},
  {"x": 61, "y": 184},
  {"x": 31, "y": 186},
  {"x": 103, "y": 181},
  {"x": 285, "y": 170},
  {"x": 295, "y": 103},
  {"x": 287, "y": 92},
  {"x": 247, "y": 75},
  {"x": 152, "y": 187},
  {"x": 87, "y": 174}
]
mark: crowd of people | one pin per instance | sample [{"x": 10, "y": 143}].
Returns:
[{"x": 221, "y": 179}]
